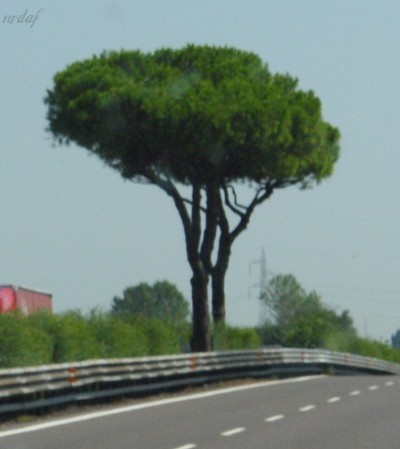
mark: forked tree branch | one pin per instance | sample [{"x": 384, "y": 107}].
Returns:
[{"x": 261, "y": 195}]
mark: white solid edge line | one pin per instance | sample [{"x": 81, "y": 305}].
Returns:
[
  {"x": 274, "y": 418},
  {"x": 231, "y": 432},
  {"x": 131, "y": 408}
]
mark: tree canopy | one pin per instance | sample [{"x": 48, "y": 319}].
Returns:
[
  {"x": 193, "y": 114},
  {"x": 161, "y": 300},
  {"x": 299, "y": 319},
  {"x": 203, "y": 117}
]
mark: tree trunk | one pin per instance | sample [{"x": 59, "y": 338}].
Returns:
[
  {"x": 218, "y": 297},
  {"x": 200, "y": 319},
  {"x": 218, "y": 279}
]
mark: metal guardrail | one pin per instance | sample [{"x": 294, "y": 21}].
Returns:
[{"x": 43, "y": 386}]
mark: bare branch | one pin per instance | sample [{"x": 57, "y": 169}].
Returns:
[
  {"x": 262, "y": 194},
  {"x": 228, "y": 202},
  {"x": 223, "y": 221},
  {"x": 170, "y": 189},
  {"x": 230, "y": 187}
]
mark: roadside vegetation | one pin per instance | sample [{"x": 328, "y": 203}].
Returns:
[
  {"x": 297, "y": 318},
  {"x": 146, "y": 320},
  {"x": 45, "y": 338},
  {"x": 154, "y": 320}
]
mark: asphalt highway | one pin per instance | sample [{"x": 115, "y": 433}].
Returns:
[{"x": 355, "y": 412}]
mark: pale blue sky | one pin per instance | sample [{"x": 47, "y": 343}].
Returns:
[{"x": 71, "y": 226}]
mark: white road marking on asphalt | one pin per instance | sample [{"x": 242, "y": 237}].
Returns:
[
  {"x": 355, "y": 393},
  {"x": 188, "y": 446},
  {"x": 231, "y": 432},
  {"x": 274, "y": 418},
  {"x": 389, "y": 384},
  {"x": 307, "y": 408},
  {"x": 373, "y": 387},
  {"x": 131, "y": 408},
  {"x": 332, "y": 400}
]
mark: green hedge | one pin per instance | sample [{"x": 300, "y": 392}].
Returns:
[
  {"x": 44, "y": 338},
  {"x": 354, "y": 344},
  {"x": 226, "y": 338},
  {"x": 22, "y": 344}
]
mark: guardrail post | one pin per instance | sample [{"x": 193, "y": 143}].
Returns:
[
  {"x": 72, "y": 375},
  {"x": 193, "y": 363}
]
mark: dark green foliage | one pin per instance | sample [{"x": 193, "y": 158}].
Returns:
[
  {"x": 161, "y": 300},
  {"x": 190, "y": 113}
]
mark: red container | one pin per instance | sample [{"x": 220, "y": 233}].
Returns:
[{"x": 23, "y": 299}]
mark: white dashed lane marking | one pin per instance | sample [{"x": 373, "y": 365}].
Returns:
[
  {"x": 274, "y": 418},
  {"x": 187, "y": 446},
  {"x": 231, "y": 432},
  {"x": 307, "y": 408},
  {"x": 355, "y": 393}
]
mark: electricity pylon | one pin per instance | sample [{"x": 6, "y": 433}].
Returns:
[{"x": 261, "y": 285}]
